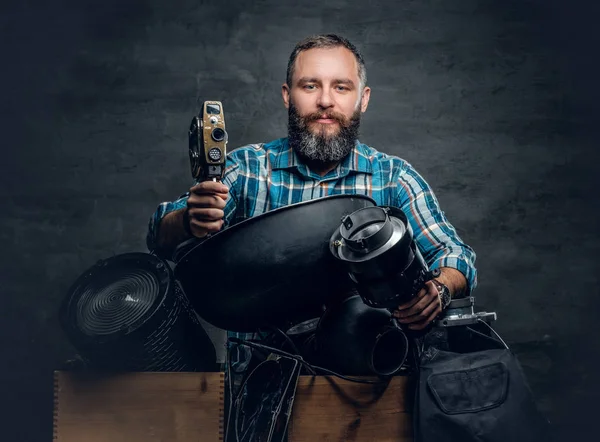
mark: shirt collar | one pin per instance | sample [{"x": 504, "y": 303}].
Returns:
[{"x": 284, "y": 157}]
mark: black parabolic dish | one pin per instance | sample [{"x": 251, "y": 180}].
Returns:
[{"x": 272, "y": 269}]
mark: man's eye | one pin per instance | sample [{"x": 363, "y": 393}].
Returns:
[
  {"x": 309, "y": 86},
  {"x": 342, "y": 88}
]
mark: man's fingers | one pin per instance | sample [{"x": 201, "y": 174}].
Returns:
[
  {"x": 426, "y": 295},
  {"x": 430, "y": 318},
  {"x": 209, "y": 187},
  {"x": 415, "y": 309},
  {"x": 205, "y": 214},
  {"x": 422, "y": 314},
  {"x": 206, "y": 201},
  {"x": 202, "y": 195},
  {"x": 201, "y": 228},
  {"x": 413, "y": 301}
]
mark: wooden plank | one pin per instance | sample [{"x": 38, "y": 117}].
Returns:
[
  {"x": 332, "y": 409},
  {"x": 183, "y": 407},
  {"x": 138, "y": 407}
]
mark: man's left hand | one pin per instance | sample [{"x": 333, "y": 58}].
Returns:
[{"x": 420, "y": 311}]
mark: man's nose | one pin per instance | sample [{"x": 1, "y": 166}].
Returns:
[{"x": 325, "y": 99}]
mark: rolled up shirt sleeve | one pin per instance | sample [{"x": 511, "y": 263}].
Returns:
[
  {"x": 164, "y": 208},
  {"x": 437, "y": 239},
  {"x": 161, "y": 211}
]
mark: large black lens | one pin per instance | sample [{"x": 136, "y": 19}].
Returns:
[{"x": 218, "y": 134}]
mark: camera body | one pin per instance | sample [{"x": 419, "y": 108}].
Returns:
[{"x": 208, "y": 143}]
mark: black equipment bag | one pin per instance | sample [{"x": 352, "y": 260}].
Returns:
[{"x": 480, "y": 396}]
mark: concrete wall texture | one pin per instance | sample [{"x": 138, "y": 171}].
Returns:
[{"x": 494, "y": 102}]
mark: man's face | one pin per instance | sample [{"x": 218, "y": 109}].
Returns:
[{"x": 325, "y": 103}]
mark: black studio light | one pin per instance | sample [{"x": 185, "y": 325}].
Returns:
[
  {"x": 377, "y": 248},
  {"x": 376, "y": 245},
  {"x": 127, "y": 313}
]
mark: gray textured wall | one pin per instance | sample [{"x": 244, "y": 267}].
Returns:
[{"x": 495, "y": 102}]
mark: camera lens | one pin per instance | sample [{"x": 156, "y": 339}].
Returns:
[{"x": 218, "y": 134}]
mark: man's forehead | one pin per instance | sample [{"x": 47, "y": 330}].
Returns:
[{"x": 326, "y": 62}]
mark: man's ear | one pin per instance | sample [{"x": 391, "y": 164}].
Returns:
[
  {"x": 364, "y": 100},
  {"x": 285, "y": 94}
]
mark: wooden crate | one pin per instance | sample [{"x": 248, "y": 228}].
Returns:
[
  {"x": 332, "y": 409},
  {"x": 185, "y": 407}
]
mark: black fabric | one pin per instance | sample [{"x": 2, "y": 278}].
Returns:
[
  {"x": 481, "y": 396},
  {"x": 471, "y": 390}
]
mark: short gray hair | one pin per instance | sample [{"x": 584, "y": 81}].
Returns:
[{"x": 326, "y": 41}]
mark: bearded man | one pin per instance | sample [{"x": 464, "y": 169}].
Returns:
[{"x": 325, "y": 93}]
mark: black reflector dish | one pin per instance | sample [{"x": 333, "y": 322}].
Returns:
[
  {"x": 274, "y": 269},
  {"x": 127, "y": 313}
]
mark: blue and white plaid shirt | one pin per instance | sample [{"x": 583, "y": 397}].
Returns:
[{"x": 263, "y": 177}]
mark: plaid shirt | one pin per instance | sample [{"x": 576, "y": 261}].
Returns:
[{"x": 263, "y": 177}]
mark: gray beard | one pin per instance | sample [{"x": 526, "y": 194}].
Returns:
[{"x": 320, "y": 147}]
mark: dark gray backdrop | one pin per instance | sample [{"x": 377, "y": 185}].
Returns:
[{"x": 493, "y": 101}]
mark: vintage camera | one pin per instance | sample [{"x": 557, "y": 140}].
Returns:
[{"x": 208, "y": 143}]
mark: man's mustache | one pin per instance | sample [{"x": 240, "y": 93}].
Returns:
[{"x": 330, "y": 115}]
